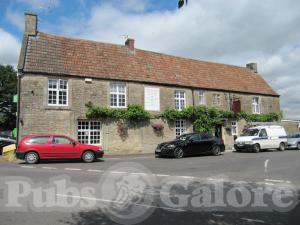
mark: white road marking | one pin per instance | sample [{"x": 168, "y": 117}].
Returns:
[
  {"x": 28, "y": 167},
  {"x": 96, "y": 171},
  {"x": 271, "y": 184},
  {"x": 49, "y": 168},
  {"x": 72, "y": 169},
  {"x": 218, "y": 215},
  {"x": 276, "y": 181},
  {"x": 139, "y": 173},
  {"x": 186, "y": 177},
  {"x": 252, "y": 220},
  {"x": 266, "y": 165},
  {"x": 162, "y": 175},
  {"x": 112, "y": 201},
  {"x": 118, "y": 172}
]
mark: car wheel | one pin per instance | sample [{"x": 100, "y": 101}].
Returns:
[
  {"x": 216, "y": 150},
  {"x": 256, "y": 148},
  {"x": 281, "y": 147},
  {"x": 178, "y": 153},
  {"x": 31, "y": 157},
  {"x": 298, "y": 146},
  {"x": 88, "y": 157}
]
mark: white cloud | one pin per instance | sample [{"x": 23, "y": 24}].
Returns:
[
  {"x": 234, "y": 32},
  {"x": 9, "y": 48}
]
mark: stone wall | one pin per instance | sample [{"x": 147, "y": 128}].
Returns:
[{"x": 37, "y": 117}]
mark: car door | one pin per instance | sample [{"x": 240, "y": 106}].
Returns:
[
  {"x": 63, "y": 147},
  {"x": 264, "y": 141},
  {"x": 40, "y": 144},
  {"x": 200, "y": 144}
]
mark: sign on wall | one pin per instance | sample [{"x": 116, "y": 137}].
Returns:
[{"x": 152, "y": 101}]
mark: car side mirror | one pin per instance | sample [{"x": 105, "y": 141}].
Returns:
[{"x": 74, "y": 143}]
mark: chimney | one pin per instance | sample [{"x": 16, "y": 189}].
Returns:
[
  {"x": 30, "y": 23},
  {"x": 130, "y": 44},
  {"x": 252, "y": 67}
]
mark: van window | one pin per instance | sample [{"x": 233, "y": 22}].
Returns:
[
  {"x": 250, "y": 132},
  {"x": 263, "y": 133}
]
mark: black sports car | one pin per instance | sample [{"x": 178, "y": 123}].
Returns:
[{"x": 191, "y": 144}]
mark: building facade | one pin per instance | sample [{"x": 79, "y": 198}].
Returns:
[{"x": 59, "y": 75}]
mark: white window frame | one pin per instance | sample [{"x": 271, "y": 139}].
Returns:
[
  {"x": 234, "y": 127},
  {"x": 180, "y": 127},
  {"x": 178, "y": 99},
  {"x": 58, "y": 90},
  {"x": 256, "y": 105},
  {"x": 118, "y": 93},
  {"x": 202, "y": 99},
  {"x": 89, "y": 131},
  {"x": 216, "y": 99}
]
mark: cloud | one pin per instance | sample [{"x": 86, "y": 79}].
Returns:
[
  {"x": 15, "y": 18},
  {"x": 41, "y": 4},
  {"x": 9, "y": 48}
]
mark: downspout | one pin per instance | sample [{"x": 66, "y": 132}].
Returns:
[{"x": 19, "y": 76}]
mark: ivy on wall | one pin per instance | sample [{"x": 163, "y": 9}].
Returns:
[{"x": 204, "y": 119}]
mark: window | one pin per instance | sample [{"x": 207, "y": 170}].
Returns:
[
  {"x": 89, "y": 132},
  {"x": 179, "y": 100},
  {"x": 57, "y": 92},
  {"x": 118, "y": 95},
  {"x": 180, "y": 127},
  {"x": 216, "y": 99},
  {"x": 38, "y": 140},
  {"x": 263, "y": 133},
  {"x": 234, "y": 128},
  {"x": 152, "y": 99},
  {"x": 61, "y": 140},
  {"x": 202, "y": 97},
  {"x": 255, "y": 105}
]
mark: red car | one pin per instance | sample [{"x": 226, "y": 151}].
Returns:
[{"x": 32, "y": 148}]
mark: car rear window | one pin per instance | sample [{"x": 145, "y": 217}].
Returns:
[{"x": 38, "y": 140}]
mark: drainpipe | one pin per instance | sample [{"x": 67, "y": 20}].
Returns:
[{"x": 19, "y": 75}]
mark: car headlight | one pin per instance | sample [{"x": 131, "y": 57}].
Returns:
[
  {"x": 171, "y": 146},
  {"x": 248, "y": 142}
]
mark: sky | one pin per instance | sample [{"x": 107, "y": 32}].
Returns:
[{"x": 233, "y": 32}]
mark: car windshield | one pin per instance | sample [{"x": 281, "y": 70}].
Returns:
[
  {"x": 183, "y": 137},
  {"x": 250, "y": 132}
]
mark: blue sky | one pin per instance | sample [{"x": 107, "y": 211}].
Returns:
[{"x": 233, "y": 32}]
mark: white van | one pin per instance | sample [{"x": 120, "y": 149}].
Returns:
[{"x": 262, "y": 137}]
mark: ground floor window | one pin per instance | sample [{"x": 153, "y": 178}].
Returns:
[
  {"x": 89, "y": 132},
  {"x": 180, "y": 127},
  {"x": 234, "y": 128}
]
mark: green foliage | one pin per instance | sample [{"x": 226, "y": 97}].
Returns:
[
  {"x": 134, "y": 113},
  {"x": 8, "y": 88},
  {"x": 260, "y": 117}
]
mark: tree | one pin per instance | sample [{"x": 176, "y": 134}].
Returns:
[
  {"x": 8, "y": 88},
  {"x": 181, "y": 3}
]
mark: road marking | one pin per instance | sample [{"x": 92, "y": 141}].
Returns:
[
  {"x": 49, "y": 168},
  {"x": 118, "y": 172},
  {"x": 162, "y": 175},
  {"x": 139, "y": 173},
  {"x": 252, "y": 220},
  {"x": 271, "y": 184},
  {"x": 276, "y": 181},
  {"x": 96, "y": 171},
  {"x": 186, "y": 177},
  {"x": 266, "y": 165},
  {"x": 28, "y": 167},
  {"x": 72, "y": 169},
  {"x": 113, "y": 201}
]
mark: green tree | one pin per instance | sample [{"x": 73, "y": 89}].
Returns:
[{"x": 8, "y": 88}]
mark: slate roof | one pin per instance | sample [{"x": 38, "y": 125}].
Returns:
[{"x": 52, "y": 54}]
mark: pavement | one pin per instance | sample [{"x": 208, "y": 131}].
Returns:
[{"x": 275, "y": 170}]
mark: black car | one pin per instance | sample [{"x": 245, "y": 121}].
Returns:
[
  {"x": 4, "y": 141},
  {"x": 190, "y": 145}
]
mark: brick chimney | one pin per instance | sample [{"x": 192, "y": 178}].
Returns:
[
  {"x": 30, "y": 23},
  {"x": 130, "y": 44},
  {"x": 252, "y": 67}
]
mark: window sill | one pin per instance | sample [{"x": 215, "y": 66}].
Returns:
[{"x": 48, "y": 107}]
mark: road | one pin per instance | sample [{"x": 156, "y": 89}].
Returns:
[{"x": 271, "y": 169}]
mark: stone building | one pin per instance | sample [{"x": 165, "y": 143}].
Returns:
[{"x": 59, "y": 75}]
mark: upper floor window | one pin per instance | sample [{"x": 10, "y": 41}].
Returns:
[
  {"x": 216, "y": 99},
  {"x": 118, "y": 95},
  {"x": 202, "y": 97},
  {"x": 179, "y": 100},
  {"x": 57, "y": 92},
  {"x": 255, "y": 105}
]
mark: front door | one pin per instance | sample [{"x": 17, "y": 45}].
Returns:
[{"x": 63, "y": 147}]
